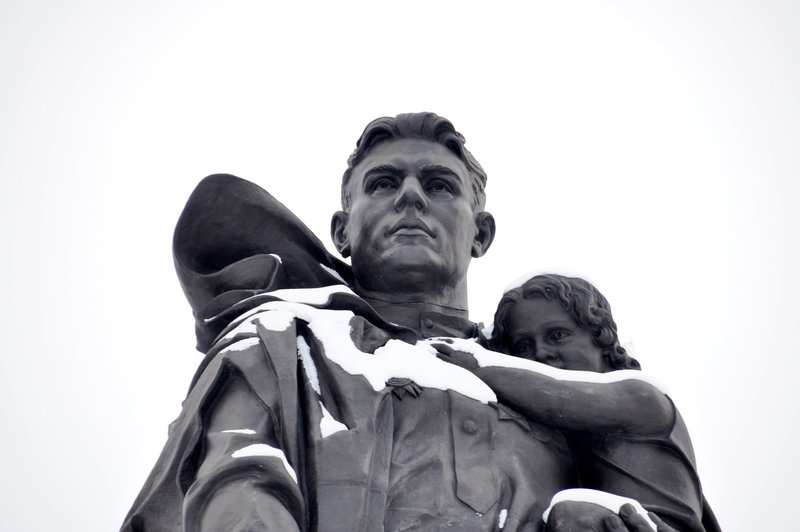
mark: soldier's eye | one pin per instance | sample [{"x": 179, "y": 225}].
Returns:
[
  {"x": 438, "y": 185},
  {"x": 383, "y": 183}
]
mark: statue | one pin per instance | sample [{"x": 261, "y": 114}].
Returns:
[{"x": 321, "y": 403}]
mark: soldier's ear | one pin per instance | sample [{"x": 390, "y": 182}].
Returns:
[
  {"x": 339, "y": 234},
  {"x": 484, "y": 223}
]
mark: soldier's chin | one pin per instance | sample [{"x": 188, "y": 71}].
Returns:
[{"x": 414, "y": 256}]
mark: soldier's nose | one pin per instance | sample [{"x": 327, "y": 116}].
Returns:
[{"x": 411, "y": 194}]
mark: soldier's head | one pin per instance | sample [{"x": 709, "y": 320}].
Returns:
[{"x": 412, "y": 200}]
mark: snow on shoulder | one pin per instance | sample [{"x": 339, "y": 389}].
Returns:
[
  {"x": 486, "y": 358},
  {"x": 311, "y": 296},
  {"x": 417, "y": 362}
]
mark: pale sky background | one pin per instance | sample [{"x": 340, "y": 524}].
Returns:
[{"x": 651, "y": 147}]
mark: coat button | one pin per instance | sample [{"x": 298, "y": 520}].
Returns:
[
  {"x": 427, "y": 323},
  {"x": 470, "y": 427}
]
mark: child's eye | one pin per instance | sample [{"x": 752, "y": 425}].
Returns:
[
  {"x": 558, "y": 335},
  {"x": 522, "y": 348}
]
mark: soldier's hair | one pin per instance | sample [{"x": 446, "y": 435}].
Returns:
[
  {"x": 587, "y": 306},
  {"x": 427, "y": 126}
]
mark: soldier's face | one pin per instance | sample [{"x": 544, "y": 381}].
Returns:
[{"x": 411, "y": 207}]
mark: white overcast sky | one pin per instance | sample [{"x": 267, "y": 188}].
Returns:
[{"x": 652, "y": 147}]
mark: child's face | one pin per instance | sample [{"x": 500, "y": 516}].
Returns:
[{"x": 541, "y": 330}]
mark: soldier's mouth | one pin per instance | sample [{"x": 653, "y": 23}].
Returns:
[{"x": 411, "y": 227}]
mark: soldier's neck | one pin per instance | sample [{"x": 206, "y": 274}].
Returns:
[
  {"x": 398, "y": 304},
  {"x": 415, "y": 315}
]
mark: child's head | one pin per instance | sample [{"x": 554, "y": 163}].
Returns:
[{"x": 561, "y": 321}]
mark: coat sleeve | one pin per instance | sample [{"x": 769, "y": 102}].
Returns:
[
  {"x": 244, "y": 480},
  {"x": 232, "y": 461}
]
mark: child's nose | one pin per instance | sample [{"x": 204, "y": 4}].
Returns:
[{"x": 544, "y": 355}]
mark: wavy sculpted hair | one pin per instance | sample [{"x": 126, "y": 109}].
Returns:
[
  {"x": 427, "y": 126},
  {"x": 581, "y": 300}
]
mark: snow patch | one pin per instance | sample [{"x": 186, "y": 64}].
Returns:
[
  {"x": 262, "y": 449},
  {"x": 419, "y": 363},
  {"x": 273, "y": 321},
  {"x": 332, "y": 272},
  {"x": 239, "y": 431},
  {"x": 601, "y": 498},
  {"x": 486, "y": 358},
  {"x": 241, "y": 345},
  {"x": 304, "y": 353},
  {"x": 311, "y": 296},
  {"x": 328, "y": 424},
  {"x": 395, "y": 359},
  {"x": 276, "y": 321},
  {"x": 246, "y": 327},
  {"x": 501, "y": 519}
]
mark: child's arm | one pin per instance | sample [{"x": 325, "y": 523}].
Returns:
[{"x": 556, "y": 397}]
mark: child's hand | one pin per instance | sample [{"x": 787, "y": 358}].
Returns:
[
  {"x": 459, "y": 358},
  {"x": 633, "y": 522},
  {"x": 570, "y": 516}
]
